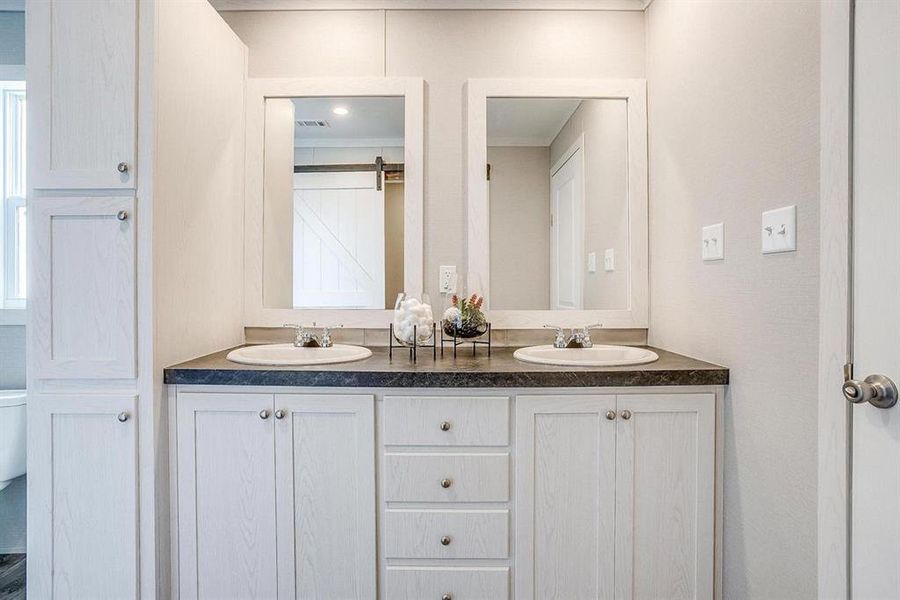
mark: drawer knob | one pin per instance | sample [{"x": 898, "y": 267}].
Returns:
[
  {"x": 610, "y": 415},
  {"x": 445, "y": 425},
  {"x": 445, "y": 483},
  {"x": 447, "y": 597},
  {"x": 122, "y": 215},
  {"x": 445, "y": 541},
  {"x": 263, "y": 414},
  {"x": 626, "y": 414},
  {"x": 122, "y": 416},
  {"x": 122, "y": 167}
]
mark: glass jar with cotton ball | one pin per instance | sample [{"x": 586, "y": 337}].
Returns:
[{"x": 413, "y": 323}]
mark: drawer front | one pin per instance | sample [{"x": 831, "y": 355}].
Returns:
[
  {"x": 433, "y": 583},
  {"x": 446, "y": 534},
  {"x": 446, "y": 421},
  {"x": 411, "y": 477}
]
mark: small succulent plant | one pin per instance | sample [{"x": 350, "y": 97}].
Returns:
[{"x": 464, "y": 318}]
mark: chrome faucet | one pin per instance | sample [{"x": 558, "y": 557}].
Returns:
[
  {"x": 579, "y": 337},
  {"x": 305, "y": 338}
]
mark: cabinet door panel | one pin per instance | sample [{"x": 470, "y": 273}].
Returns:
[
  {"x": 83, "y": 287},
  {"x": 82, "y": 497},
  {"x": 226, "y": 496},
  {"x": 665, "y": 496},
  {"x": 82, "y": 67},
  {"x": 325, "y": 461},
  {"x": 565, "y": 491}
]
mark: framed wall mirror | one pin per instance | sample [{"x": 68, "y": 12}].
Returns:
[
  {"x": 334, "y": 199},
  {"x": 557, "y": 201}
]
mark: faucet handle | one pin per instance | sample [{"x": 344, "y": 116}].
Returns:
[
  {"x": 583, "y": 336},
  {"x": 326, "y": 334},
  {"x": 560, "y": 341}
]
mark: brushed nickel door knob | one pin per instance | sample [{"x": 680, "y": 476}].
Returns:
[
  {"x": 445, "y": 483},
  {"x": 445, "y": 425},
  {"x": 445, "y": 541},
  {"x": 122, "y": 417},
  {"x": 263, "y": 414},
  {"x": 877, "y": 390},
  {"x": 611, "y": 415},
  {"x": 122, "y": 167},
  {"x": 626, "y": 414}
]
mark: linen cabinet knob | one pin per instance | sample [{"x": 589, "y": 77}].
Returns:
[
  {"x": 122, "y": 167},
  {"x": 122, "y": 417},
  {"x": 445, "y": 541},
  {"x": 445, "y": 483},
  {"x": 122, "y": 215},
  {"x": 279, "y": 414},
  {"x": 626, "y": 414},
  {"x": 445, "y": 425},
  {"x": 610, "y": 415},
  {"x": 263, "y": 414},
  {"x": 447, "y": 597}
]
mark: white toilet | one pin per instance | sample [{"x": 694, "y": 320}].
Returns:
[{"x": 12, "y": 435}]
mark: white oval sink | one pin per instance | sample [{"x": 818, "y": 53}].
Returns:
[
  {"x": 288, "y": 354},
  {"x": 597, "y": 356}
]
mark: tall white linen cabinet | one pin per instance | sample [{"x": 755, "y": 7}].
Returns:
[{"x": 135, "y": 242}]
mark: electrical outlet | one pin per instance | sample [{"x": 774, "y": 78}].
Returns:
[
  {"x": 447, "y": 279},
  {"x": 779, "y": 230},
  {"x": 609, "y": 259},
  {"x": 592, "y": 262},
  {"x": 713, "y": 247}
]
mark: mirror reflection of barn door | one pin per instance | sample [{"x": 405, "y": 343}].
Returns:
[
  {"x": 567, "y": 231},
  {"x": 338, "y": 240}
]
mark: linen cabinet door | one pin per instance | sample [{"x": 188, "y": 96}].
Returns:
[
  {"x": 226, "y": 496},
  {"x": 82, "y": 59},
  {"x": 82, "y": 287},
  {"x": 325, "y": 464},
  {"x": 82, "y": 497},
  {"x": 665, "y": 496},
  {"x": 565, "y": 493}
]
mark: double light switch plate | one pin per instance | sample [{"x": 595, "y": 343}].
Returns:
[
  {"x": 779, "y": 230},
  {"x": 713, "y": 242}
]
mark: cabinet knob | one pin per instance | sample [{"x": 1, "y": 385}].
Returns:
[
  {"x": 445, "y": 425},
  {"x": 122, "y": 215},
  {"x": 626, "y": 414},
  {"x": 447, "y": 597},
  {"x": 445, "y": 541},
  {"x": 122, "y": 167},
  {"x": 279, "y": 414},
  {"x": 445, "y": 483},
  {"x": 122, "y": 417},
  {"x": 263, "y": 414},
  {"x": 611, "y": 415}
]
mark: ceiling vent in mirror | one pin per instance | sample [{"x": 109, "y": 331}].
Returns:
[{"x": 312, "y": 123}]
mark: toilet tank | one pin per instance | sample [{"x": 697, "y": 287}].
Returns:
[{"x": 12, "y": 435}]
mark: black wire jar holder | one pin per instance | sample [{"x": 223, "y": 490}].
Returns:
[
  {"x": 413, "y": 348},
  {"x": 456, "y": 340}
]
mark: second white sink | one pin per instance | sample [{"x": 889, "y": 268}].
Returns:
[
  {"x": 596, "y": 356},
  {"x": 290, "y": 355}
]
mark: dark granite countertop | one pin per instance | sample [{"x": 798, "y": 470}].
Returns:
[{"x": 465, "y": 371}]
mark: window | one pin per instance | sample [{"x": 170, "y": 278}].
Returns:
[{"x": 12, "y": 187}]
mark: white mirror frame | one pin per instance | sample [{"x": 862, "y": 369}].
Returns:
[
  {"x": 634, "y": 91},
  {"x": 256, "y": 314}
]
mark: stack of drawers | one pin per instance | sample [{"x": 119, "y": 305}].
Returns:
[{"x": 446, "y": 498}]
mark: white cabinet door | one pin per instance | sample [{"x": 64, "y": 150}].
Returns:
[
  {"x": 565, "y": 490},
  {"x": 665, "y": 482},
  {"x": 82, "y": 60},
  {"x": 82, "y": 497},
  {"x": 82, "y": 287},
  {"x": 226, "y": 496},
  {"x": 325, "y": 463}
]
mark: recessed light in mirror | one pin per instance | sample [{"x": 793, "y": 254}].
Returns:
[{"x": 340, "y": 110}]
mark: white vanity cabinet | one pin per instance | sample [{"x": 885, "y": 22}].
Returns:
[
  {"x": 275, "y": 495},
  {"x": 485, "y": 494}
]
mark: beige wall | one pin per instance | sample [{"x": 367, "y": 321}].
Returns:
[
  {"x": 520, "y": 226},
  {"x": 445, "y": 48},
  {"x": 733, "y": 112},
  {"x": 278, "y": 207},
  {"x": 604, "y": 124},
  {"x": 393, "y": 242}
]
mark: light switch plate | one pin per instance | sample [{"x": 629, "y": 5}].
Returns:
[
  {"x": 592, "y": 262},
  {"x": 609, "y": 259},
  {"x": 713, "y": 242},
  {"x": 447, "y": 279},
  {"x": 779, "y": 230}
]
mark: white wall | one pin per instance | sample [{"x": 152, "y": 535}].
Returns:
[
  {"x": 733, "y": 115},
  {"x": 445, "y": 48}
]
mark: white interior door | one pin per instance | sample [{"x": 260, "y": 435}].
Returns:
[
  {"x": 875, "y": 550},
  {"x": 567, "y": 233},
  {"x": 338, "y": 241}
]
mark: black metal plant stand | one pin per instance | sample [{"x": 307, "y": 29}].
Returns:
[
  {"x": 413, "y": 349},
  {"x": 456, "y": 341}
]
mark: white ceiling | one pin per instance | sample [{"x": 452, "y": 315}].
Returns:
[
  {"x": 527, "y": 121},
  {"x": 373, "y": 121}
]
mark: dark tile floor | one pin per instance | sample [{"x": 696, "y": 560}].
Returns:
[{"x": 12, "y": 577}]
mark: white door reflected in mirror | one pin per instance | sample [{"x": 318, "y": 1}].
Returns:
[{"x": 558, "y": 195}]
